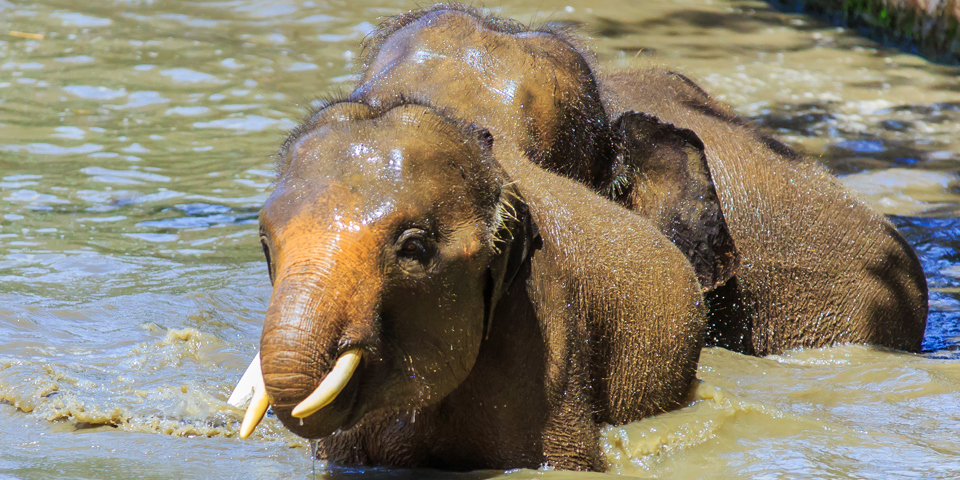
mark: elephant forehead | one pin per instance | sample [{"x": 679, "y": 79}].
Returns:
[
  {"x": 450, "y": 33},
  {"x": 380, "y": 159},
  {"x": 355, "y": 201},
  {"x": 454, "y": 45},
  {"x": 497, "y": 79},
  {"x": 339, "y": 182}
]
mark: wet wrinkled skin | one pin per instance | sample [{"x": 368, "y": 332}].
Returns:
[
  {"x": 820, "y": 267},
  {"x": 503, "y": 312}
]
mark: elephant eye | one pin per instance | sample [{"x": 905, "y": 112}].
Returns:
[
  {"x": 415, "y": 244},
  {"x": 266, "y": 255},
  {"x": 412, "y": 247}
]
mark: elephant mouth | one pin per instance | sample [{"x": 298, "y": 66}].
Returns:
[
  {"x": 329, "y": 408},
  {"x": 332, "y": 384}
]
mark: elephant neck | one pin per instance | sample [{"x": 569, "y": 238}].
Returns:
[{"x": 502, "y": 404}]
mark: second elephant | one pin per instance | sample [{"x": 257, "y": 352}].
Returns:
[{"x": 818, "y": 266}]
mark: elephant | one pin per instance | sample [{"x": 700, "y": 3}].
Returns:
[
  {"x": 441, "y": 301},
  {"x": 787, "y": 256}
]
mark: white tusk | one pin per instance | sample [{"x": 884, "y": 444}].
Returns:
[
  {"x": 258, "y": 407},
  {"x": 248, "y": 382},
  {"x": 331, "y": 385}
]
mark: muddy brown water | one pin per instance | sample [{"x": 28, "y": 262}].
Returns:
[{"x": 135, "y": 143}]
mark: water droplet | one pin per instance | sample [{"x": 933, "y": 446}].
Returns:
[{"x": 314, "y": 445}]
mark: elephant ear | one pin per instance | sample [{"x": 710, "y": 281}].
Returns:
[
  {"x": 516, "y": 240},
  {"x": 662, "y": 173}
]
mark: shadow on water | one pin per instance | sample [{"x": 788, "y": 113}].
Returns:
[
  {"x": 733, "y": 21},
  {"x": 897, "y": 136},
  {"x": 340, "y": 472},
  {"x": 845, "y": 14},
  {"x": 676, "y": 27},
  {"x": 937, "y": 243},
  {"x": 741, "y": 17}
]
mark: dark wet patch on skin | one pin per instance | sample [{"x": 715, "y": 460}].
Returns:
[
  {"x": 703, "y": 104},
  {"x": 690, "y": 83}
]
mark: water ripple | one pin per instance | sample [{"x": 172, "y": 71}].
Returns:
[
  {"x": 91, "y": 92},
  {"x": 187, "y": 76},
  {"x": 141, "y": 99},
  {"x": 50, "y": 149},
  {"x": 81, "y": 20},
  {"x": 253, "y": 123},
  {"x": 125, "y": 174}
]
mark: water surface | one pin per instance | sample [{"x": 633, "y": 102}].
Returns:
[{"x": 136, "y": 153}]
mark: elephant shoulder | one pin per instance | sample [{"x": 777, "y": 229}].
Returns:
[
  {"x": 644, "y": 303},
  {"x": 606, "y": 280}
]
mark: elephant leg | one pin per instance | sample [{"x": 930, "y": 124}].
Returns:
[{"x": 571, "y": 439}]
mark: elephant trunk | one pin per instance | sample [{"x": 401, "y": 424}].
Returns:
[
  {"x": 318, "y": 312},
  {"x": 294, "y": 345}
]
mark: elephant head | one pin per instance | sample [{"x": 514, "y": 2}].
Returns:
[
  {"x": 389, "y": 237},
  {"x": 534, "y": 86},
  {"x": 662, "y": 173}
]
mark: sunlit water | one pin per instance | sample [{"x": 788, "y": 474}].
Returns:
[{"x": 135, "y": 144}]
